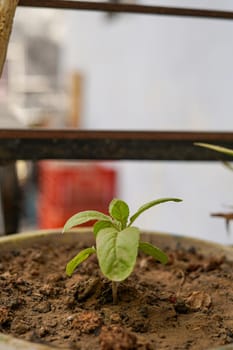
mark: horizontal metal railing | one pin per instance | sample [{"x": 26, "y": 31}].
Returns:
[
  {"x": 36, "y": 144},
  {"x": 128, "y": 8}
]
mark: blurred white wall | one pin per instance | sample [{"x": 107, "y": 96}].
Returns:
[
  {"x": 155, "y": 73},
  {"x": 160, "y": 73}
]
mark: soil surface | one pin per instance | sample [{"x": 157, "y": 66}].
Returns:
[{"x": 186, "y": 304}]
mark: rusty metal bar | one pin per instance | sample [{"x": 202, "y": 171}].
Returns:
[
  {"x": 110, "y": 145},
  {"x": 128, "y": 8}
]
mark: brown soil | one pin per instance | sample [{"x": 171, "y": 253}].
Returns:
[{"x": 186, "y": 304}]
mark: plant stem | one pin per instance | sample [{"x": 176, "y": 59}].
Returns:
[{"x": 114, "y": 292}]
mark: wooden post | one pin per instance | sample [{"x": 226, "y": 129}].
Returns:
[
  {"x": 7, "y": 12},
  {"x": 10, "y": 198},
  {"x": 74, "y": 117}
]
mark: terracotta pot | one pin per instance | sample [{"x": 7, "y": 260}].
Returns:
[
  {"x": 8, "y": 342},
  {"x": 7, "y": 12}
]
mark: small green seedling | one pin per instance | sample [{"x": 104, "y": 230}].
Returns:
[
  {"x": 227, "y": 151},
  {"x": 117, "y": 241}
]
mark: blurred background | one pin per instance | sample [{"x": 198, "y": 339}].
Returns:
[{"x": 102, "y": 71}]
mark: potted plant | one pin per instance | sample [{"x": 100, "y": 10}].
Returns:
[{"x": 177, "y": 305}]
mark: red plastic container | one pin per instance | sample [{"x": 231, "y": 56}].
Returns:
[{"x": 66, "y": 188}]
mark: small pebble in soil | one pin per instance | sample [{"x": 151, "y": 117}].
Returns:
[
  {"x": 115, "y": 317},
  {"x": 229, "y": 333},
  {"x": 143, "y": 311},
  {"x": 229, "y": 336},
  {"x": 198, "y": 300},
  {"x": 109, "y": 335},
  {"x": 87, "y": 321},
  {"x": 139, "y": 326},
  {"x": 52, "y": 323},
  {"x": 70, "y": 302},
  {"x": 216, "y": 317},
  {"x": 43, "y": 331},
  {"x": 55, "y": 277},
  {"x": 15, "y": 302},
  {"x": 188, "y": 344},
  {"x": 86, "y": 288},
  {"x": 66, "y": 336},
  {"x": 124, "y": 316},
  {"x": 214, "y": 263},
  {"x": 4, "y": 314},
  {"x": 19, "y": 327},
  {"x": 146, "y": 263},
  {"x": 34, "y": 272},
  {"x": 180, "y": 307},
  {"x": 70, "y": 318},
  {"x": 47, "y": 289},
  {"x": 228, "y": 340},
  {"x": 38, "y": 257},
  {"x": 42, "y": 307}
]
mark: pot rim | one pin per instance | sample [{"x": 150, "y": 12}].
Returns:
[{"x": 205, "y": 246}]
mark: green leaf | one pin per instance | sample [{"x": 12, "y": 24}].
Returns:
[
  {"x": 85, "y": 216},
  {"x": 78, "y": 259},
  {"x": 215, "y": 148},
  {"x": 152, "y": 204},
  {"x": 119, "y": 210},
  {"x": 228, "y": 165},
  {"x": 153, "y": 251},
  {"x": 99, "y": 225},
  {"x": 117, "y": 252}
]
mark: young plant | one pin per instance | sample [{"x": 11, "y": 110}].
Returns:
[
  {"x": 228, "y": 151},
  {"x": 117, "y": 241},
  {"x": 220, "y": 149}
]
